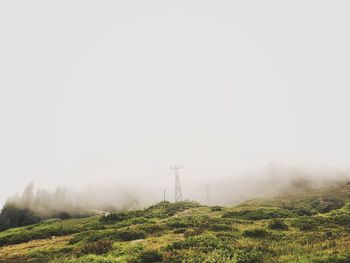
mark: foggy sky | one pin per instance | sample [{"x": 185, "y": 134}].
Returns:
[{"x": 110, "y": 91}]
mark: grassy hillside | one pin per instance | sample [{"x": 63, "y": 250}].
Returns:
[{"x": 308, "y": 226}]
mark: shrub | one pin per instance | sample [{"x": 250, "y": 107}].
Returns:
[
  {"x": 184, "y": 222},
  {"x": 277, "y": 224},
  {"x": 204, "y": 222},
  {"x": 166, "y": 209},
  {"x": 87, "y": 259},
  {"x": 180, "y": 230},
  {"x": 204, "y": 242},
  {"x": 256, "y": 233},
  {"x": 306, "y": 223},
  {"x": 193, "y": 232},
  {"x": 113, "y": 217},
  {"x": 98, "y": 247},
  {"x": 219, "y": 255},
  {"x": 338, "y": 217},
  {"x": 151, "y": 256},
  {"x": 195, "y": 256},
  {"x": 127, "y": 234},
  {"x": 174, "y": 256},
  {"x": 340, "y": 258},
  {"x": 138, "y": 220},
  {"x": 228, "y": 236},
  {"x": 152, "y": 228},
  {"x": 259, "y": 214},
  {"x": 252, "y": 256},
  {"x": 130, "y": 234},
  {"x": 63, "y": 215},
  {"x": 219, "y": 227},
  {"x": 326, "y": 204},
  {"x": 303, "y": 210},
  {"x": 216, "y": 208},
  {"x": 308, "y": 207}
]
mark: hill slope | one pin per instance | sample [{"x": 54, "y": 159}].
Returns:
[{"x": 307, "y": 226}]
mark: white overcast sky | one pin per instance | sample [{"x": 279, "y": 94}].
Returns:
[{"x": 119, "y": 90}]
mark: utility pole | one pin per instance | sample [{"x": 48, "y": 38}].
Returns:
[
  {"x": 164, "y": 195},
  {"x": 178, "y": 191}
]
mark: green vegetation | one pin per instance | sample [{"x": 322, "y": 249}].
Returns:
[
  {"x": 277, "y": 224},
  {"x": 259, "y": 214},
  {"x": 31, "y": 208},
  {"x": 13, "y": 216},
  {"x": 311, "y": 226}
]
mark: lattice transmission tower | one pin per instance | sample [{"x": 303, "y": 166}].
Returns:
[{"x": 178, "y": 191}]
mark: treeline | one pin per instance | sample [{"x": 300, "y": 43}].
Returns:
[
  {"x": 33, "y": 206},
  {"x": 13, "y": 216}
]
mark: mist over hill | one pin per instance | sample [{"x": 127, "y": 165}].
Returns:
[
  {"x": 269, "y": 181},
  {"x": 273, "y": 180}
]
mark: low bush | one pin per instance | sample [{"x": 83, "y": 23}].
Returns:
[
  {"x": 324, "y": 205},
  {"x": 127, "y": 234},
  {"x": 204, "y": 242},
  {"x": 259, "y": 214},
  {"x": 339, "y": 217},
  {"x": 152, "y": 228},
  {"x": 220, "y": 255},
  {"x": 184, "y": 222},
  {"x": 63, "y": 215},
  {"x": 256, "y": 233},
  {"x": 219, "y": 227},
  {"x": 250, "y": 256},
  {"x": 306, "y": 223},
  {"x": 339, "y": 258},
  {"x": 87, "y": 259},
  {"x": 195, "y": 256},
  {"x": 114, "y": 217},
  {"x": 277, "y": 224},
  {"x": 130, "y": 234},
  {"x": 166, "y": 209},
  {"x": 228, "y": 236},
  {"x": 180, "y": 230},
  {"x": 216, "y": 208},
  {"x": 193, "y": 232},
  {"x": 312, "y": 206},
  {"x": 98, "y": 247},
  {"x": 151, "y": 256},
  {"x": 303, "y": 210},
  {"x": 203, "y": 222}
]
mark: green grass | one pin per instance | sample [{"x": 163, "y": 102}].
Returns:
[{"x": 311, "y": 226}]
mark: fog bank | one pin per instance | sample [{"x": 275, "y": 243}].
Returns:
[{"x": 268, "y": 181}]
